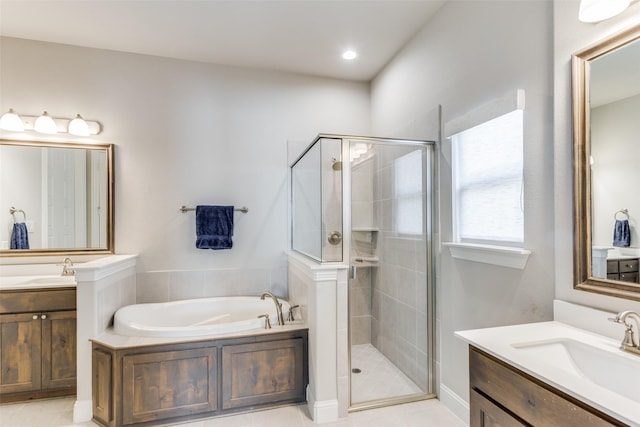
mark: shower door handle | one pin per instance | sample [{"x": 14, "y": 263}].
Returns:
[{"x": 335, "y": 237}]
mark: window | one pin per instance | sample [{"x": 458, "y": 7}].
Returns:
[
  {"x": 408, "y": 183},
  {"x": 487, "y": 163}
]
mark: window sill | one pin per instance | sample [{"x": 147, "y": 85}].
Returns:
[{"x": 498, "y": 255}]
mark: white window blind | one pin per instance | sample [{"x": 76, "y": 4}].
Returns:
[{"x": 487, "y": 180}]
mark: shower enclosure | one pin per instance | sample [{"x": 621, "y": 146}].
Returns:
[{"x": 367, "y": 202}]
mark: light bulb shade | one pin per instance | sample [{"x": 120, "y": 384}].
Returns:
[
  {"x": 78, "y": 126},
  {"x": 599, "y": 10},
  {"x": 45, "y": 124},
  {"x": 11, "y": 121}
]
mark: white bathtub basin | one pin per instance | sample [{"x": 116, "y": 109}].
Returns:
[
  {"x": 196, "y": 317},
  {"x": 585, "y": 365}
]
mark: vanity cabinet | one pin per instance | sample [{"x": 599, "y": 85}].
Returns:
[
  {"x": 37, "y": 344},
  {"x": 501, "y": 395},
  {"x": 176, "y": 382},
  {"x": 624, "y": 270}
]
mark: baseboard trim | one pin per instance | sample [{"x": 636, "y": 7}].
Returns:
[
  {"x": 455, "y": 403},
  {"x": 82, "y": 411},
  {"x": 322, "y": 411}
]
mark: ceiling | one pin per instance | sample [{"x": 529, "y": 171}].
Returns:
[{"x": 302, "y": 36}]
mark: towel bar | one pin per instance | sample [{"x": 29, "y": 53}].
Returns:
[{"x": 184, "y": 209}]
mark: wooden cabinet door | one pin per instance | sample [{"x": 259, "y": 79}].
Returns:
[
  {"x": 20, "y": 362},
  {"x": 164, "y": 385},
  {"x": 58, "y": 349},
  {"x": 485, "y": 413},
  {"x": 264, "y": 372}
]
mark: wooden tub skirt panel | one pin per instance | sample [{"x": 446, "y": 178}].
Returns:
[{"x": 161, "y": 384}]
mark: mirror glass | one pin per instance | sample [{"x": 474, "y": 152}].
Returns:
[
  {"x": 607, "y": 151},
  {"x": 56, "y": 198}
]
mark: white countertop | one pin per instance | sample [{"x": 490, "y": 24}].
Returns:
[
  {"x": 506, "y": 343},
  {"x": 36, "y": 282}
]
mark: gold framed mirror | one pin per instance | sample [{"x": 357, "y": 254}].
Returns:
[
  {"x": 606, "y": 125},
  {"x": 56, "y": 198}
]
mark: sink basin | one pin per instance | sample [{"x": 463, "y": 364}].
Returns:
[
  {"x": 53, "y": 280},
  {"x": 25, "y": 282},
  {"x": 587, "y": 366},
  {"x": 612, "y": 369}
]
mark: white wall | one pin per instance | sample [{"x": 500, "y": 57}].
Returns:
[
  {"x": 470, "y": 53},
  {"x": 186, "y": 133},
  {"x": 571, "y": 35}
]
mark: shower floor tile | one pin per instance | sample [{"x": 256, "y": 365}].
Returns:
[{"x": 379, "y": 377}]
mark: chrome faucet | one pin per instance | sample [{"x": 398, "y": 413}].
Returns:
[
  {"x": 277, "y": 303},
  {"x": 629, "y": 342},
  {"x": 66, "y": 267}
]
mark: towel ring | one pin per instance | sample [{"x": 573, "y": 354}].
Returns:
[
  {"x": 624, "y": 212},
  {"x": 13, "y": 211}
]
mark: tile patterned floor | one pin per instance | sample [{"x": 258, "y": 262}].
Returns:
[
  {"x": 379, "y": 378},
  {"x": 428, "y": 413}
]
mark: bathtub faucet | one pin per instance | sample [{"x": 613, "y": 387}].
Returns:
[{"x": 277, "y": 303}]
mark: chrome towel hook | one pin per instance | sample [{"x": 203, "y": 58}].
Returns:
[
  {"x": 13, "y": 211},
  {"x": 624, "y": 212}
]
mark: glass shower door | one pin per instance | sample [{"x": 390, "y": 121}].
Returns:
[
  {"x": 316, "y": 182},
  {"x": 390, "y": 294}
]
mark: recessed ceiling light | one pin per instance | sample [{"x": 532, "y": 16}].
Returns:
[{"x": 349, "y": 55}]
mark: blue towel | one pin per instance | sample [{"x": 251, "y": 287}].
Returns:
[
  {"x": 19, "y": 236},
  {"x": 214, "y": 227},
  {"x": 621, "y": 233}
]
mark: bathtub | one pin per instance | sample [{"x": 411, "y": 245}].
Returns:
[{"x": 195, "y": 317}]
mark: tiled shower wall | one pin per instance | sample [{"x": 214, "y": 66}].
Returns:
[
  {"x": 363, "y": 243},
  {"x": 389, "y": 302}
]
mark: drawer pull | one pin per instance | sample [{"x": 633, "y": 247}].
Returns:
[
  {"x": 35, "y": 317},
  {"x": 43, "y": 317}
]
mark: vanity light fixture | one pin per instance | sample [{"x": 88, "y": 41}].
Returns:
[
  {"x": 349, "y": 55},
  {"x": 599, "y": 10},
  {"x": 11, "y": 121},
  {"x": 45, "y": 124},
  {"x": 78, "y": 126}
]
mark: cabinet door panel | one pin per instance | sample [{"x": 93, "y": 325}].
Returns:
[
  {"x": 20, "y": 363},
  {"x": 629, "y": 277},
  {"x": 259, "y": 373},
  {"x": 59, "y": 349},
  {"x": 102, "y": 386},
  {"x": 628, "y": 265},
  {"x": 37, "y": 301},
  {"x": 164, "y": 385},
  {"x": 485, "y": 413}
]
